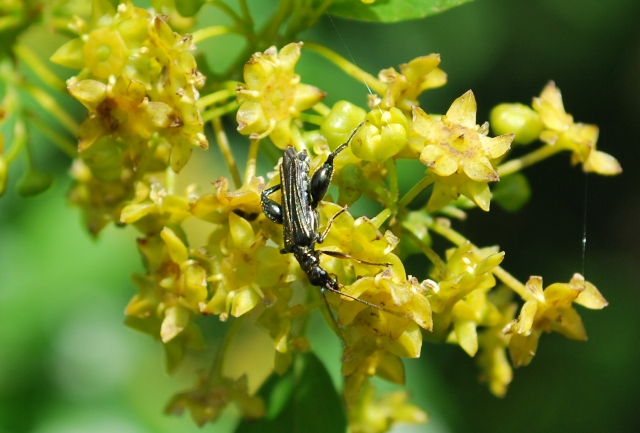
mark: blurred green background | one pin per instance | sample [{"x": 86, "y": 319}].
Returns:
[{"x": 68, "y": 364}]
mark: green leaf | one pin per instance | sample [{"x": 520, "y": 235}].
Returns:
[
  {"x": 303, "y": 400},
  {"x": 512, "y": 192},
  {"x": 391, "y": 10}
]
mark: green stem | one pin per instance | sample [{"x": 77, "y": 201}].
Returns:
[
  {"x": 252, "y": 160},
  {"x": 392, "y": 173},
  {"x": 348, "y": 67},
  {"x": 51, "y": 106},
  {"x": 225, "y": 149},
  {"x": 268, "y": 34},
  {"x": 433, "y": 257},
  {"x": 321, "y": 109},
  {"x": 537, "y": 155},
  {"x": 211, "y": 31},
  {"x": 228, "y": 11},
  {"x": 62, "y": 142},
  {"x": 19, "y": 141},
  {"x": 219, "y": 111},
  {"x": 246, "y": 15},
  {"x": 457, "y": 239},
  {"x": 320, "y": 11},
  {"x": 312, "y": 118},
  {"x": 212, "y": 98},
  {"x": 415, "y": 191},
  {"x": 38, "y": 67},
  {"x": 511, "y": 281}
]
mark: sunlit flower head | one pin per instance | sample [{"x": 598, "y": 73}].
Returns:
[
  {"x": 458, "y": 152},
  {"x": 272, "y": 95}
]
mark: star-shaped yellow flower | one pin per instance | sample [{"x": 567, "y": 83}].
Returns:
[
  {"x": 273, "y": 96},
  {"x": 458, "y": 152},
  {"x": 414, "y": 78},
  {"x": 579, "y": 138},
  {"x": 550, "y": 310}
]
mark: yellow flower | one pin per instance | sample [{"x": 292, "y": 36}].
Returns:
[
  {"x": 138, "y": 79},
  {"x": 374, "y": 414},
  {"x": 245, "y": 270},
  {"x": 468, "y": 271},
  {"x": 273, "y": 96},
  {"x": 114, "y": 109},
  {"x": 105, "y": 53},
  {"x": 207, "y": 400},
  {"x": 155, "y": 200},
  {"x": 458, "y": 152},
  {"x": 550, "y": 310},
  {"x": 101, "y": 200},
  {"x": 579, "y": 138},
  {"x": 245, "y": 201},
  {"x": 493, "y": 342},
  {"x": 414, "y": 78},
  {"x": 467, "y": 314}
]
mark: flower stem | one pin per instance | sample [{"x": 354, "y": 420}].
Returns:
[
  {"x": 415, "y": 191},
  {"x": 510, "y": 281},
  {"x": 214, "y": 97},
  {"x": 390, "y": 165},
  {"x": 322, "y": 109},
  {"x": 25, "y": 54},
  {"x": 312, "y": 118},
  {"x": 433, "y": 257},
  {"x": 228, "y": 11},
  {"x": 19, "y": 140},
  {"x": 348, "y": 67},
  {"x": 457, "y": 239},
  {"x": 225, "y": 149},
  {"x": 537, "y": 155},
  {"x": 51, "y": 106},
  {"x": 211, "y": 31},
  {"x": 252, "y": 160},
  {"x": 246, "y": 15},
  {"x": 219, "y": 111},
  {"x": 62, "y": 142}
]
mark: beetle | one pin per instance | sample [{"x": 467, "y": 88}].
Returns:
[{"x": 297, "y": 212}]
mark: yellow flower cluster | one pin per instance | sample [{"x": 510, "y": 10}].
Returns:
[
  {"x": 140, "y": 85},
  {"x": 138, "y": 81}
]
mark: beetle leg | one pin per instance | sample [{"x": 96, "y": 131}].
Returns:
[
  {"x": 326, "y": 230},
  {"x": 271, "y": 209},
  {"x": 340, "y": 255}
]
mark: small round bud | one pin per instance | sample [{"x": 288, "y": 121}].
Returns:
[
  {"x": 517, "y": 118},
  {"x": 350, "y": 180},
  {"x": 33, "y": 183},
  {"x": 104, "y": 159},
  {"x": 340, "y": 123},
  {"x": 384, "y": 135}
]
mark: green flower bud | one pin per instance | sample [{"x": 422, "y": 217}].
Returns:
[
  {"x": 350, "y": 180},
  {"x": 340, "y": 123},
  {"x": 384, "y": 135},
  {"x": 512, "y": 192},
  {"x": 104, "y": 159},
  {"x": 517, "y": 118},
  {"x": 33, "y": 183}
]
